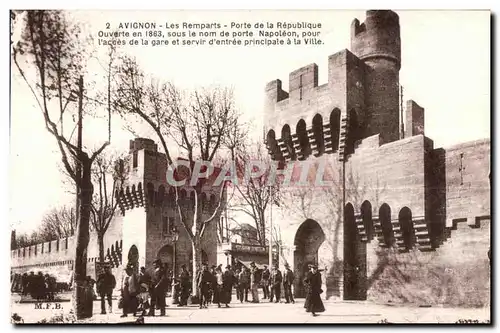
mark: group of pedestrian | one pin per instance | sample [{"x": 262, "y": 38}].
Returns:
[
  {"x": 215, "y": 286},
  {"x": 38, "y": 286},
  {"x": 143, "y": 294},
  {"x": 270, "y": 281}
]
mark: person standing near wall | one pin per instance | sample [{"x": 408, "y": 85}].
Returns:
[
  {"x": 266, "y": 275},
  {"x": 243, "y": 284},
  {"x": 276, "y": 279},
  {"x": 129, "y": 291},
  {"x": 203, "y": 283},
  {"x": 159, "y": 287},
  {"x": 185, "y": 281},
  {"x": 106, "y": 282},
  {"x": 288, "y": 278},
  {"x": 254, "y": 282}
]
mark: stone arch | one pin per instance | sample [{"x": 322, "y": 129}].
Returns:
[
  {"x": 204, "y": 258},
  {"x": 272, "y": 145},
  {"x": 301, "y": 131},
  {"x": 286, "y": 135},
  {"x": 406, "y": 225},
  {"x": 308, "y": 239},
  {"x": 354, "y": 258},
  {"x": 335, "y": 128},
  {"x": 386, "y": 225},
  {"x": 133, "y": 256},
  {"x": 366, "y": 217},
  {"x": 166, "y": 255},
  {"x": 160, "y": 196},
  {"x": 317, "y": 127},
  {"x": 352, "y": 132}
]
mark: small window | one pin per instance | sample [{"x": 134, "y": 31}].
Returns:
[
  {"x": 50, "y": 247},
  {"x": 134, "y": 159}
]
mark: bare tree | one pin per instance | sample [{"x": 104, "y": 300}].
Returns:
[
  {"x": 108, "y": 175},
  {"x": 58, "y": 223},
  {"x": 50, "y": 57},
  {"x": 199, "y": 125},
  {"x": 253, "y": 195}
]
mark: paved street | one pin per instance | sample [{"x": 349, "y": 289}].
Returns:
[{"x": 336, "y": 312}]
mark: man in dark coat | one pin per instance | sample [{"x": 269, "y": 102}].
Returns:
[
  {"x": 243, "y": 284},
  {"x": 204, "y": 283},
  {"x": 276, "y": 279},
  {"x": 213, "y": 285},
  {"x": 227, "y": 285},
  {"x": 266, "y": 275},
  {"x": 288, "y": 278},
  {"x": 313, "y": 303},
  {"x": 159, "y": 288},
  {"x": 185, "y": 281},
  {"x": 106, "y": 282}
]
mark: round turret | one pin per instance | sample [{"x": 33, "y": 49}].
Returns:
[{"x": 377, "y": 37}]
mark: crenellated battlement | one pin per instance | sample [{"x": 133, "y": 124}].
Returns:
[
  {"x": 60, "y": 252},
  {"x": 377, "y": 37},
  {"x": 303, "y": 82},
  {"x": 138, "y": 195}
]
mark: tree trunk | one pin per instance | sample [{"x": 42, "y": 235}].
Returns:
[
  {"x": 196, "y": 264},
  {"x": 81, "y": 306},
  {"x": 100, "y": 243}
]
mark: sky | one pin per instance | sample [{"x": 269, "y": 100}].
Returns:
[{"x": 445, "y": 69}]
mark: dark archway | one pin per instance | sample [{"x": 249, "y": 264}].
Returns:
[
  {"x": 308, "y": 239},
  {"x": 301, "y": 131},
  {"x": 366, "y": 216},
  {"x": 286, "y": 136},
  {"x": 386, "y": 225},
  {"x": 352, "y": 132},
  {"x": 354, "y": 258},
  {"x": 335, "y": 129},
  {"x": 133, "y": 256},
  {"x": 166, "y": 255},
  {"x": 160, "y": 196},
  {"x": 406, "y": 225},
  {"x": 272, "y": 145},
  {"x": 317, "y": 127}
]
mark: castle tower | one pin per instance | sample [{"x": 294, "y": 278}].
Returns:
[{"x": 377, "y": 42}]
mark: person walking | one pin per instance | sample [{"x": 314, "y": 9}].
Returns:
[
  {"x": 158, "y": 289},
  {"x": 185, "y": 284},
  {"x": 288, "y": 278},
  {"x": 312, "y": 282},
  {"x": 276, "y": 279},
  {"x": 266, "y": 275},
  {"x": 106, "y": 283},
  {"x": 204, "y": 283},
  {"x": 254, "y": 282},
  {"x": 227, "y": 285}
]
